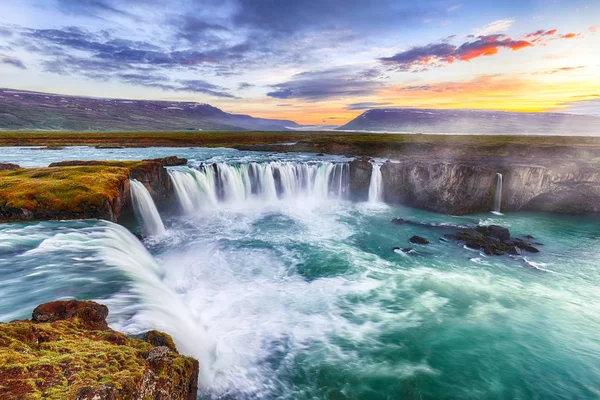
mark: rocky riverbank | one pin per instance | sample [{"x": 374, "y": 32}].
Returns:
[
  {"x": 67, "y": 351},
  {"x": 81, "y": 189}
]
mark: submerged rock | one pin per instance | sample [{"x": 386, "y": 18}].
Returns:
[
  {"x": 418, "y": 240},
  {"x": 67, "y": 351}
]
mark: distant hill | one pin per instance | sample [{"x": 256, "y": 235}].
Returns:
[
  {"x": 415, "y": 120},
  {"x": 23, "y": 110}
]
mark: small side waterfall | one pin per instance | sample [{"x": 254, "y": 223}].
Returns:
[
  {"x": 376, "y": 185},
  {"x": 498, "y": 194},
  {"x": 145, "y": 209},
  {"x": 228, "y": 183}
]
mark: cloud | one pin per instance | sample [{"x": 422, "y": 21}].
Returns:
[
  {"x": 245, "y": 85},
  {"x": 437, "y": 54},
  {"x": 562, "y": 69},
  {"x": 185, "y": 85},
  {"x": 594, "y": 29},
  {"x": 540, "y": 35},
  {"x": 501, "y": 25},
  {"x": 571, "y": 35},
  {"x": 366, "y": 105},
  {"x": 93, "y": 8},
  {"x": 12, "y": 61},
  {"x": 454, "y": 7},
  {"x": 320, "y": 85}
]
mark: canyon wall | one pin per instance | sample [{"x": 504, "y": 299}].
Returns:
[{"x": 457, "y": 187}]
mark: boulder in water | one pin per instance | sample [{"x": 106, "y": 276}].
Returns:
[
  {"x": 418, "y": 240},
  {"x": 492, "y": 239}
]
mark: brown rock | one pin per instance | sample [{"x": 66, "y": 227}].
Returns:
[
  {"x": 92, "y": 314},
  {"x": 8, "y": 167},
  {"x": 156, "y": 338},
  {"x": 170, "y": 161}
]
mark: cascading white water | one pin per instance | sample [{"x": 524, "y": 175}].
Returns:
[
  {"x": 145, "y": 209},
  {"x": 161, "y": 307},
  {"x": 376, "y": 185},
  {"x": 498, "y": 194},
  {"x": 226, "y": 183}
]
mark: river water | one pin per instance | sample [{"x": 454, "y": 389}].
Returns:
[{"x": 283, "y": 289}]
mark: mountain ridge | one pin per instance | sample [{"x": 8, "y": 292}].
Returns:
[
  {"x": 468, "y": 121},
  {"x": 28, "y": 110}
]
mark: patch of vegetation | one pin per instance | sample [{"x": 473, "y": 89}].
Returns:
[
  {"x": 54, "y": 361},
  {"x": 62, "y": 188}
]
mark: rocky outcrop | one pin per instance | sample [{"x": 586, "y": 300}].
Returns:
[
  {"x": 360, "y": 177},
  {"x": 67, "y": 351},
  {"x": 170, "y": 161},
  {"x": 82, "y": 189},
  {"x": 8, "y": 167},
  {"x": 492, "y": 239},
  {"x": 456, "y": 187}
]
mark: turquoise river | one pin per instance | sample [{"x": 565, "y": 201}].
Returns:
[{"x": 283, "y": 289}]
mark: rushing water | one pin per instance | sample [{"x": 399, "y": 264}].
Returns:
[
  {"x": 297, "y": 294},
  {"x": 498, "y": 194},
  {"x": 376, "y": 185},
  {"x": 145, "y": 209}
]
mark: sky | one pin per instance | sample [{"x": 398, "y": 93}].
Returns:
[{"x": 311, "y": 61}]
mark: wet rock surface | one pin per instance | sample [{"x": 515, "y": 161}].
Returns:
[
  {"x": 492, "y": 239},
  {"x": 67, "y": 351},
  {"x": 418, "y": 240}
]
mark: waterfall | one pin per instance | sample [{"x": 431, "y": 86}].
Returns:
[
  {"x": 218, "y": 183},
  {"x": 145, "y": 209},
  {"x": 498, "y": 194},
  {"x": 376, "y": 185},
  {"x": 161, "y": 307}
]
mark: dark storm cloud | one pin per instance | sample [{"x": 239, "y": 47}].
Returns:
[
  {"x": 320, "y": 85},
  {"x": 366, "y": 105},
  {"x": 15, "y": 62}
]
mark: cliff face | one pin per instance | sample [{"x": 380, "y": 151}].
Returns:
[
  {"x": 67, "y": 351},
  {"x": 456, "y": 187},
  {"x": 451, "y": 188}
]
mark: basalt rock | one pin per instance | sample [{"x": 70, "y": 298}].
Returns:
[
  {"x": 360, "y": 178},
  {"x": 68, "y": 352},
  {"x": 418, "y": 240},
  {"x": 170, "y": 161},
  {"x": 492, "y": 239},
  {"x": 461, "y": 187}
]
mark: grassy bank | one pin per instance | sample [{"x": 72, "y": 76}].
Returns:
[{"x": 218, "y": 139}]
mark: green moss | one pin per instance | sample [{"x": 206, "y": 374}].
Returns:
[
  {"x": 60, "y": 188},
  {"x": 73, "y": 359}
]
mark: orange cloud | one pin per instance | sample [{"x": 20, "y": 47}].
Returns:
[{"x": 419, "y": 58}]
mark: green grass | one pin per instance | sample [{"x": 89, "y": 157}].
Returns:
[
  {"x": 63, "y": 188},
  {"x": 232, "y": 139}
]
